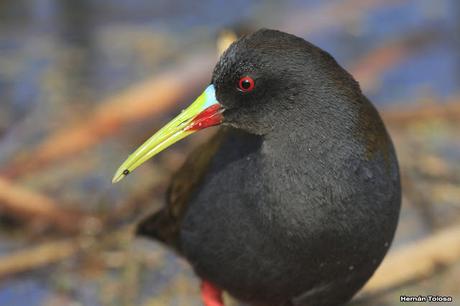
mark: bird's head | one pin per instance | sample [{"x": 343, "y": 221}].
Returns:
[{"x": 256, "y": 86}]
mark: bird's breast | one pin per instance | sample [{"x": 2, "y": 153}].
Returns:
[{"x": 265, "y": 211}]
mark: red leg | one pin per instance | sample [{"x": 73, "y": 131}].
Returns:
[{"x": 212, "y": 296}]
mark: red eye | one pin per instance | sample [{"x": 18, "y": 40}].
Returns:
[{"x": 246, "y": 84}]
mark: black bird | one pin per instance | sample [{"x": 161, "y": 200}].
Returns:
[{"x": 296, "y": 199}]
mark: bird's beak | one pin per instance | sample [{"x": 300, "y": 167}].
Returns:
[{"x": 202, "y": 113}]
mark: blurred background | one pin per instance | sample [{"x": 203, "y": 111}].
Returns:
[{"x": 83, "y": 83}]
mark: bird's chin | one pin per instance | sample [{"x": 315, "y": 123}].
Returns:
[{"x": 248, "y": 128}]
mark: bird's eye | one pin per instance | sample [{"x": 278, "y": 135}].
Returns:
[{"x": 246, "y": 84}]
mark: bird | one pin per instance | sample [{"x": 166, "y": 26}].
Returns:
[{"x": 295, "y": 199}]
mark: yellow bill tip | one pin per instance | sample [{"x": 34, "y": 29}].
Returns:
[
  {"x": 204, "y": 112},
  {"x": 119, "y": 175}
]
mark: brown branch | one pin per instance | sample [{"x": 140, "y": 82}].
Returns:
[
  {"x": 399, "y": 116},
  {"x": 35, "y": 257},
  {"x": 33, "y": 207},
  {"x": 369, "y": 68},
  {"x": 148, "y": 99},
  {"x": 416, "y": 261},
  {"x": 51, "y": 252}
]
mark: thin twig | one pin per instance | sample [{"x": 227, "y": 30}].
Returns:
[
  {"x": 416, "y": 261},
  {"x": 51, "y": 252},
  {"x": 437, "y": 110},
  {"x": 39, "y": 256},
  {"x": 27, "y": 205}
]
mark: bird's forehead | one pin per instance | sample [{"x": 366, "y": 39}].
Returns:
[
  {"x": 264, "y": 51},
  {"x": 236, "y": 61}
]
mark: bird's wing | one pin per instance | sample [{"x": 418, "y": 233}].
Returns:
[{"x": 164, "y": 225}]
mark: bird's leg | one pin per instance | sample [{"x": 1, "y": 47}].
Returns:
[{"x": 212, "y": 296}]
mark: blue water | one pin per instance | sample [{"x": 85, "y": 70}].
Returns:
[{"x": 23, "y": 292}]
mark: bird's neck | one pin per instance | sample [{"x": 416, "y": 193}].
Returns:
[{"x": 308, "y": 134}]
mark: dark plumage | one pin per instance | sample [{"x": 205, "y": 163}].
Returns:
[{"x": 295, "y": 201}]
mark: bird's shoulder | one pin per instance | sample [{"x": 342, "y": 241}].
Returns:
[
  {"x": 185, "y": 181},
  {"x": 164, "y": 225}
]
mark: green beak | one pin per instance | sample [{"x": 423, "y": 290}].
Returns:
[{"x": 202, "y": 113}]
